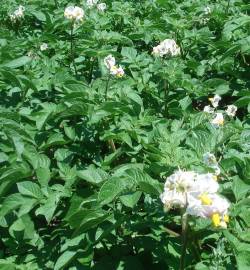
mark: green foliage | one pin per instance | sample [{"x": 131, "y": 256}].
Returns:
[{"x": 84, "y": 155}]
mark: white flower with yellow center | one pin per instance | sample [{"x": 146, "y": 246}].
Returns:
[
  {"x": 109, "y": 62},
  {"x": 218, "y": 120},
  {"x": 210, "y": 206},
  {"x": 215, "y": 101},
  {"x": 231, "y": 110}
]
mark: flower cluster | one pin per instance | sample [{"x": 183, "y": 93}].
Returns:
[
  {"x": 197, "y": 193},
  {"x": 74, "y": 13},
  {"x": 101, "y": 6},
  {"x": 166, "y": 47},
  {"x": 218, "y": 119},
  {"x": 205, "y": 16},
  {"x": 17, "y": 14},
  {"x": 114, "y": 70}
]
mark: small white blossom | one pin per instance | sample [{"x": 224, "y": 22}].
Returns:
[
  {"x": 208, "y": 109},
  {"x": 166, "y": 47},
  {"x": 91, "y": 3},
  {"x": 207, "y": 10},
  {"x": 117, "y": 71},
  {"x": 218, "y": 120},
  {"x": 44, "y": 47},
  {"x": 74, "y": 13},
  {"x": 17, "y": 14},
  {"x": 209, "y": 159},
  {"x": 215, "y": 100},
  {"x": 231, "y": 110},
  {"x": 109, "y": 62},
  {"x": 101, "y": 7}
]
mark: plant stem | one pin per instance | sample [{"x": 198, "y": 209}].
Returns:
[
  {"x": 184, "y": 222},
  {"x": 106, "y": 89},
  {"x": 56, "y": 3},
  {"x": 72, "y": 48},
  {"x": 165, "y": 95},
  {"x": 91, "y": 70},
  {"x": 111, "y": 143},
  {"x": 228, "y": 4}
]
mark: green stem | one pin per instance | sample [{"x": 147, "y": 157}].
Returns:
[
  {"x": 184, "y": 220},
  {"x": 91, "y": 70},
  {"x": 106, "y": 89},
  {"x": 72, "y": 48},
  {"x": 56, "y": 3},
  {"x": 165, "y": 96},
  {"x": 228, "y": 4},
  {"x": 111, "y": 143}
]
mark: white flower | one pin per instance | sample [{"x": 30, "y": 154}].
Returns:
[
  {"x": 44, "y": 47},
  {"x": 210, "y": 206},
  {"x": 74, "y": 13},
  {"x": 101, "y": 7},
  {"x": 205, "y": 183},
  {"x": 204, "y": 21},
  {"x": 218, "y": 120},
  {"x": 166, "y": 47},
  {"x": 209, "y": 159},
  {"x": 91, "y": 3},
  {"x": 117, "y": 71},
  {"x": 207, "y": 10},
  {"x": 177, "y": 187},
  {"x": 172, "y": 198},
  {"x": 109, "y": 61},
  {"x": 208, "y": 109},
  {"x": 17, "y": 14},
  {"x": 231, "y": 110},
  {"x": 215, "y": 100}
]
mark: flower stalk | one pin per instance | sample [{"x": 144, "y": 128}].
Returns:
[
  {"x": 72, "y": 47},
  {"x": 184, "y": 221}
]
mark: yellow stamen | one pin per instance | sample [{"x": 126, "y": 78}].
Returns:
[
  {"x": 205, "y": 200},
  {"x": 216, "y": 220},
  {"x": 226, "y": 218},
  {"x": 223, "y": 224},
  {"x": 221, "y": 122},
  {"x": 215, "y": 177}
]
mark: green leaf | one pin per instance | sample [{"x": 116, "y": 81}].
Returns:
[
  {"x": 28, "y": 188},
  {"x": 43, "y": 176},
  {"x": 131, "y": 199},
  {"x": 19, "y": 62},
  {"x": 240, "y": 188},
  {"x": 92, "y": 175},
  {"x": 112, "y": 188}
]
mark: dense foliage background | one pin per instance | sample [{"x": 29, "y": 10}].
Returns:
[{"x": 81, "y": 170}]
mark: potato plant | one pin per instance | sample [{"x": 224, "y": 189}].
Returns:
[{"x": 124, "y": 134}]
